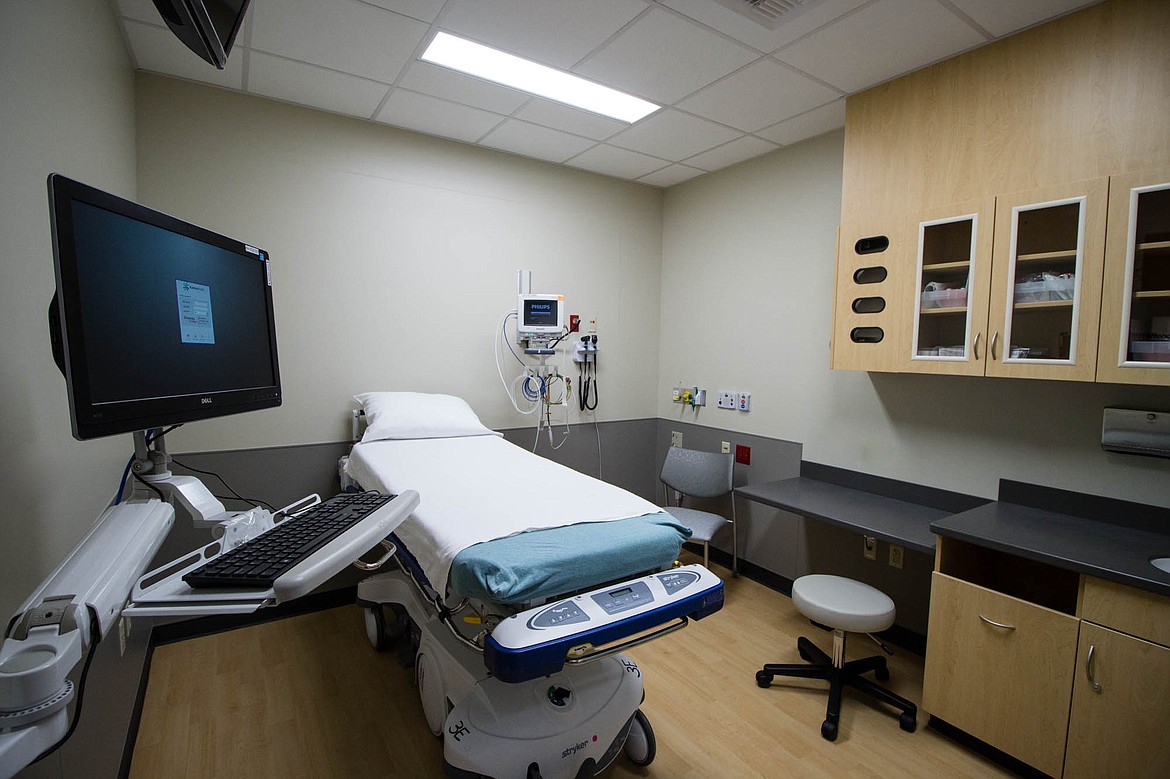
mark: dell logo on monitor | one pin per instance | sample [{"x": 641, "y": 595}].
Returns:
[{"x": 205, "y": 401}]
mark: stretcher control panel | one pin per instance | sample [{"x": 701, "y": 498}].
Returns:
[{"x": 542, "y": 640}]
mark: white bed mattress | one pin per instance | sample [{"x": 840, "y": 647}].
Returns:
[{"x": 480, "y": 488}]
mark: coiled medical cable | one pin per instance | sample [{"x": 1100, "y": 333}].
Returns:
[{"x": 511, "y": 390}]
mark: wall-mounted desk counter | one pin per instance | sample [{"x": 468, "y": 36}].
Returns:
[{"x": 892, "y": 511}]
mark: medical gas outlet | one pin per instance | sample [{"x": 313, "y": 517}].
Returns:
[{"x": 689, "y": 396}]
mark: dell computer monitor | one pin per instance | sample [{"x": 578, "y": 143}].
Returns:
[
  {"x": 155, "y": 321},
  {"x": 206, "y": 27}
]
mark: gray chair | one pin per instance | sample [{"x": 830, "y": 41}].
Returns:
[{"x": 697, "y": 474}]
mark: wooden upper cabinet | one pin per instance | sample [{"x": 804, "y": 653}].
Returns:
[
  {"x": 945, "y": 301},
  {"x": 1046, "y": 282},
  {"x": 1135, "y": 306},
  {"x": 866, "y": 315}
]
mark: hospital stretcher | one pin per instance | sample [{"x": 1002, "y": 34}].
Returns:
[{"x": 520, "y": 584}]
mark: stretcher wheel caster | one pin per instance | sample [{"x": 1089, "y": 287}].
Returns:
[
  {"x": 829, "y": 730},
  {"x": 640, "y": 747},
  {"x": 763, "y": 679},
  {"x": 376, "y": 628},
  {"x": 908, "y": 722}
]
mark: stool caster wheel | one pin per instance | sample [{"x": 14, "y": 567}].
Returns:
[
  {"x": 764, "y": 679},
  {"x": 882, "y": 673},
  {"x": 829, "y": 730},
  {"x": 908, "y": 722}
]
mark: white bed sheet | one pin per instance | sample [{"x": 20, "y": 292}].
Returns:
[{"x": 480, "y": 488}]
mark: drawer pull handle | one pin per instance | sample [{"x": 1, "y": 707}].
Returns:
[
  {"x": 1089, "y": 668},
  {"x": 993, "y": 623}
]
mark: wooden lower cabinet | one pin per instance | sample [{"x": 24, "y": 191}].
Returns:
[
  {"x": 1119, "y": 728},
  {"x": 1001, "y": 669}
]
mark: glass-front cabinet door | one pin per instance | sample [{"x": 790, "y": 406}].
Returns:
[
  {"x": 1135, "y": 309},
  {"x": 1046, "y": 282},
  {"x": 952, "y": 278}
]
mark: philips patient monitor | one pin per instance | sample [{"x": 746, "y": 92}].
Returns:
[
  {"x": 155, "y": 321},
  {"x": 540, "y": 316}
]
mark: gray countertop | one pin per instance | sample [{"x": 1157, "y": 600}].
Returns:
[
  {"x": 889, "y": 519},
  {"x": 1094, "y": 547}
]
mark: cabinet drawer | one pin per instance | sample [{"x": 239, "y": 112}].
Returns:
[
  {"x": 1007, "y": 684},
  {"x": 1137, "y": 612}
]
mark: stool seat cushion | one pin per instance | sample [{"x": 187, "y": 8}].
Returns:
[{"x": 843, "y": 604}]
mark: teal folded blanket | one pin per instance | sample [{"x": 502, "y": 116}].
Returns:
[{"x": 544, "y": 563}]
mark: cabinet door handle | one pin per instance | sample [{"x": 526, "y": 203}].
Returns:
[
  {"x": 975, "y": 347},
  {"x": 993, "y": 623},
  {"x": 994, "y": 338},
  {"x": 1089, "y": 668}
]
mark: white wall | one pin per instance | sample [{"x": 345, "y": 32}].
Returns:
[
  {"x": 747, "y": 291},
  {"x": 394, "y": 255},
  {"x": 66, "y": 105}
]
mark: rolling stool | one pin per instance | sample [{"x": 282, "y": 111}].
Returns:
[{"x": 842, "y": 605}]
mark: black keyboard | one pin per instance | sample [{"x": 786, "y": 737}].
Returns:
[{"x": 260, "y": 561}]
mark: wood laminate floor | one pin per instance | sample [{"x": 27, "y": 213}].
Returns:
[{"x": 308, "y": 697}]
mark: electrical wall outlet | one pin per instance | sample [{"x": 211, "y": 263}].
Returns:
[
  {"x": 727, "y": 399},
  {"x": 869, "y": 547},
  {"x": 675, "y": 438},
  {"x": 591, "y": 324},
  {"x": 896, "y": 555},
  {"x": 725, "y": 447}
]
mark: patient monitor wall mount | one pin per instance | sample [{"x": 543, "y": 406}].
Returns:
[{"x": 540, "y": 386}]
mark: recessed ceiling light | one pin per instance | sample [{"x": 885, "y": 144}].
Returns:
[{"x": 494, "y": 65}]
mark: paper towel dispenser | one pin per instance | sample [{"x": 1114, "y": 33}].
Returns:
[{"x": 1136, "y": 432}]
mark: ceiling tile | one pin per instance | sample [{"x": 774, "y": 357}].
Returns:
[
  {"x": 670, "y": 175},
  {"x": 343, "y": 35},
  {"x": 157, "y": 49},
  {"x": 430, "y": 115},
  {"x": 1003, "y": 17},
  {"x": 761, "y": 94},
  {"x": 562, "y": 117},
  {"x": 298, "y": 82},
  {"x": 423, "y": 10},
  {"x": 815, "y": 122},
  {"x": 556, "y": 32},
  {"x": 664, "y": 58},
  {"x": 877, "y": 43},
  {"x": 532, "y": 140},
  {"x": 142, "y": 10},
  {"x": 613, "y": 161},
  {"x": 461, "y": 88},
  {"x": 795, "y": 24},
  {"x": 730, "y": 153},
  {"x": 673, "y": 135}
]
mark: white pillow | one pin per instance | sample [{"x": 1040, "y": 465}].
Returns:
[{"x": 398, "y": 415}]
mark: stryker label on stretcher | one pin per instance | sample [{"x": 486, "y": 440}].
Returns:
[{"x": 539, "y": 642}]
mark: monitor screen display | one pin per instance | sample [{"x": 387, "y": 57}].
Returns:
[
  {"x": 540, "y": 313},
  {"x": 161, "y": 321}
]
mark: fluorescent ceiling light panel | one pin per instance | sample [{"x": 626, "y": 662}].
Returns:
[{"x": 485, "y": 62}]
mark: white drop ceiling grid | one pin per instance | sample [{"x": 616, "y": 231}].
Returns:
[{"x": 731, "y": 89}]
